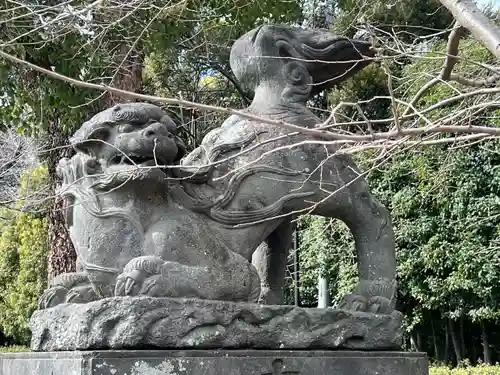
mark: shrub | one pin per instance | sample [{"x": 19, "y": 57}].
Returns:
[
  {"x": 470, "y": 370},
  {"x": 14, "y": 349},
  {"x": 23, "y": 264}
]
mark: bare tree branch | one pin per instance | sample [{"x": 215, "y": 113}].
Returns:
[
  {"x": 470, "y": 16},
  {"x": 18, "y": 154},
  {"x": 318, "y": 132},
  {"x": 448, "y": 64}
]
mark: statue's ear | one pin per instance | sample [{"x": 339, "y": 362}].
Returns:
[
  {"x": 89, "y": 140},
  {"x": 169, "y": 123},
  {"x": 181, "y": 149},
  {"x": 345, "y": 58},
  {"x": 171, "y": 118},
  {"x": 172, "y": 121}
]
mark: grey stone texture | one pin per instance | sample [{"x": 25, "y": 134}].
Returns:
[
  {"x": 138, "y": 322},
  {"x": 149, "y": 220},
  {"x": 219, "y": 362}
]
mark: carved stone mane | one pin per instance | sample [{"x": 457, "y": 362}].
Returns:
[
  {"x": 187, "y": 195},
  {"x": 81, "y": 184}
]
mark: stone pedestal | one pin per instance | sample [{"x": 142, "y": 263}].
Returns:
[
  {"x": 213, "y": 362},
  {"x": 167, "y": 323}
]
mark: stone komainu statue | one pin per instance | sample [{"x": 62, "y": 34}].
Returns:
[{"x": 148, "y": 220}]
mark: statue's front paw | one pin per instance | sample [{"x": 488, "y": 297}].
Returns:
[{"x": 142, "y": 276}]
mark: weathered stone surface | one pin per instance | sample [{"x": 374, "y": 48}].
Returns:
[
  {"x": 201, "y": 362},
  {"x": 148, "y": 219},
  {"x": 139, "y": 322},
  {"x": 150, "y": 222}
]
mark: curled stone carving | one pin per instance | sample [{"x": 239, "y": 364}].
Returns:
[{"x": 298, "y": 82}]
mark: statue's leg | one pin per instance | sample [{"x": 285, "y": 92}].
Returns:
[
  {"x": 270, "y": 260},
  {"x": 234, "y": 280},
  {"x": 371, "y": 225}
]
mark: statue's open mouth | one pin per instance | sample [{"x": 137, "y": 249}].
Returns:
[{"x": 134, "y": 159}]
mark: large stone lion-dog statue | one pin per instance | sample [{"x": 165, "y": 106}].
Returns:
[{"x": 146, "y": 219}]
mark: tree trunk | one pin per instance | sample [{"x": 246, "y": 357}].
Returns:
[
  {"x": 419, "y": 342},
  {"x": 486, "y": 345},
  {"x": 463, "y": 347},
  {"x": 434, "y": 340},
  {"x": 455, "y": 340},
  {"x": 414, "y": 341},
  {"x": 474, "y": 353},
  {"x": 62, "y": 256},
  {"x": 128, "y": 77},
  {"x": 296, "y": 269},
  {"x": 446, "y": 341}
]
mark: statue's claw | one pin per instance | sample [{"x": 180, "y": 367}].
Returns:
[
  {"x": 52, "y": 297},
  {"x": 59, "y": 294},
  {"x": 354, "y": 302},
  {"x": 124, "y": 284},
  {"x": 70, "y": 287},
  {"x": 81, "y": 294},
  {"x": 380, "y": 305},
  {"x": 371, "y": 297},
  {"x": 143, "y": 276},
  {"x": 128, "y": 281}
]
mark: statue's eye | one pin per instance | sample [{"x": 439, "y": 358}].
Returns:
[{"x": 125, "y": 128}]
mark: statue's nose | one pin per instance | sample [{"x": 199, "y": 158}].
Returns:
[
  {"x": 150, "y": 133},
  {"x": 156, "y": 130}
]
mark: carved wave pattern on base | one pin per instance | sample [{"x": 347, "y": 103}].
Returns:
[{"x": 145, "y": 322}]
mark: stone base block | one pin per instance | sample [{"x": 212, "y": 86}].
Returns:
[
  {"x": 122, "y": 323},
  {"x": 210, "y": 362}
]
